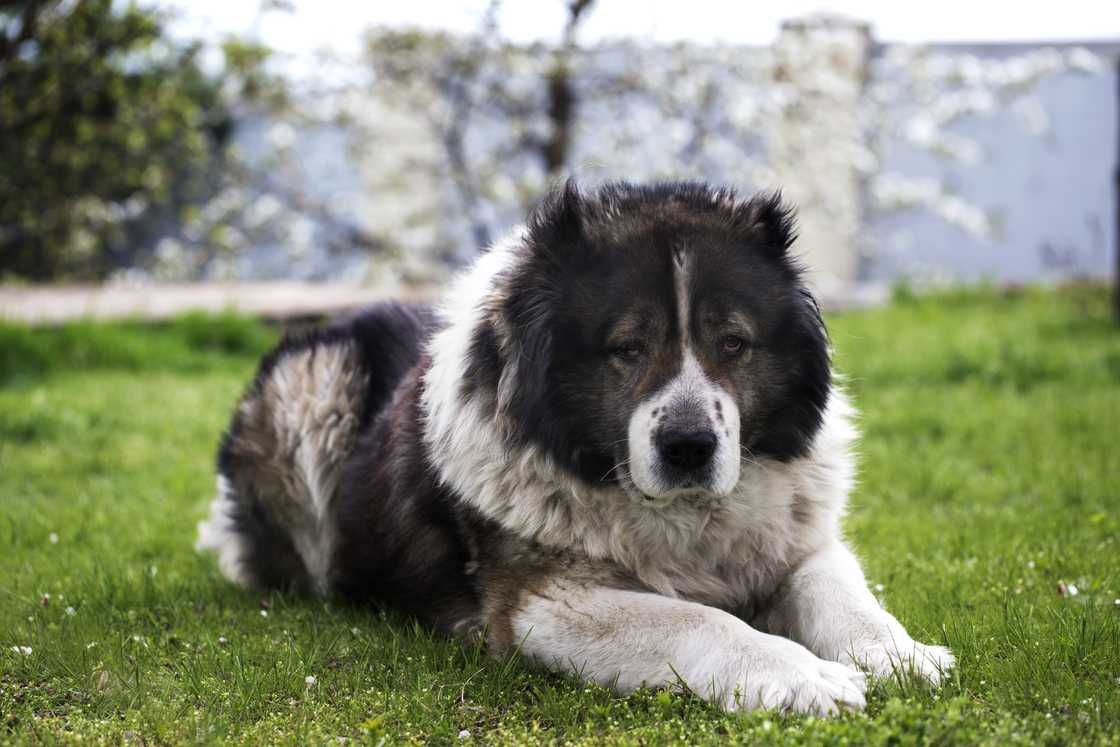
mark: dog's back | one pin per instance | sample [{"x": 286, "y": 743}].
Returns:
[{"x": 279, "y": 463}]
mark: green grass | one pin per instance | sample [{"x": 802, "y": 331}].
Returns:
[{"x": 991, "y": 473}]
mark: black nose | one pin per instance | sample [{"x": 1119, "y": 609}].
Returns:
[{"x": 687, "y": 449}]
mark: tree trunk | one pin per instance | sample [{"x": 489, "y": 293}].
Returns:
[{"x": 561, "y": 96}]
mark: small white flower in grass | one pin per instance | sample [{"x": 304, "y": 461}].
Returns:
[
  {"x": 70, "y": 612},
  {"x": 1066, "y": 590},
  {"x": 1030, "y": 564},
  {"x": 25, "y": 650},
  {"x": 465, "y": 734},
  {"x": 355, "y": 631},
  {"x": 53, "y": 537},
  {"x": 878, "y": 587},
  {"x": 310, "y": 680},
  {"x": 264, "y": 613},
  {"x": 91, "y": 644},
  {"x": 1116, "y": 602},
  {"x": 222, "y": 640}
]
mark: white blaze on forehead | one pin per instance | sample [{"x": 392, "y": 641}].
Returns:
[
  {"x": 680, "y": 286},
  {"x": 690, "y": 396}
]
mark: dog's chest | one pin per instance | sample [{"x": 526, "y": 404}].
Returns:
[
  {"x": 733, "y": 559},
  {"x": 745, "y": 575}
]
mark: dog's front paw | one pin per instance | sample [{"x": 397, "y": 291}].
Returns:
[
  {"x": 905, "y": 658},
  {"x": 787, "y": 677}
]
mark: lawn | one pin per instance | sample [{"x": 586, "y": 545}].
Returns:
[{"x": 987, "y": 517}]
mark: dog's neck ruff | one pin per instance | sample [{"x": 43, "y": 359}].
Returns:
[{"x": 777, "y": 512}]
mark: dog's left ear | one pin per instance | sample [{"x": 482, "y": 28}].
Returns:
[{"x": 769, "y": 222}]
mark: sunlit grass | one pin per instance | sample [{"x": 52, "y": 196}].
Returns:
[{"x": 991, "y": 474}]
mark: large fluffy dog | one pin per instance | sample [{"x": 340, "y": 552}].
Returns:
[{"x": 617, "y": 447}]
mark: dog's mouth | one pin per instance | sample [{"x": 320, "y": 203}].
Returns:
[{"x": 688, "y": 492}]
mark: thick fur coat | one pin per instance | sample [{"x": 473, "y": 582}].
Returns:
[{"x": 617, "y": 446}]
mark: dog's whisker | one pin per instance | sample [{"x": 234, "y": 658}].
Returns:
[{"x": 623, "y": 463}]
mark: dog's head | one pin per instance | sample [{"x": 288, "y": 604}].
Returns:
[{"x": 655, "y": 337}]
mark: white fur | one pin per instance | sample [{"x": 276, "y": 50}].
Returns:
[
  {"x": 826, "y": 603},
  {"x": 314, "y": 396},
  {"x": 693, "y": 389},
  {"x": 309, "y": 404},
  {"x": 776, "y": 528},
  {"x": 218, "y": 534},
  {"x": 680, "y": 290},
  {"x": 631, "y": 639},
  {"x": 719, "y": 550}
]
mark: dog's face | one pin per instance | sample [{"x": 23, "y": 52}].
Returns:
[{"x": 662, "y": 337}]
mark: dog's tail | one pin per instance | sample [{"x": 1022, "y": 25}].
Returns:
[{"x": 273, "y": 523}]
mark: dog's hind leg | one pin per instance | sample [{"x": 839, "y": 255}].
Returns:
[
  {"x": 272, "y": 523},
  {"x": 253, "y": 551}
]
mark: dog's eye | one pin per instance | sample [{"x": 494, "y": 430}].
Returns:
[
  {"x": 629, "y": 351},
  {"x": 731, "y": 346}
]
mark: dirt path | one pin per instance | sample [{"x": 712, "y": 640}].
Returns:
[
  {"x": 56, "y": 304},
  {"x": 46, "y": 305}
]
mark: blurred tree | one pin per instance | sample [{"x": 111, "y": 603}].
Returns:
[
  {"x": 107, "y": 130},
  {"x": 461, "y": 87},
  {"x": 562, "y": 100}
]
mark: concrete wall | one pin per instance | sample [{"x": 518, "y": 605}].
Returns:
[
  {"x": 944, "y": 162},
  {"x": 1048, "y": 186}
]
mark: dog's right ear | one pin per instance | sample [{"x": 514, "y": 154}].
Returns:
[
  {"x": 554, "y": 234},
  {"x": 556, "y": 225}
]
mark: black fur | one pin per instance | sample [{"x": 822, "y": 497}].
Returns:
[
  {"x": 388, "y": 339},
  {"x": 594, "y": 263},
  {"x": 272, "y": 557},
  {"x": 400, "y": 542},
  {"x": 585, "y": 245}
]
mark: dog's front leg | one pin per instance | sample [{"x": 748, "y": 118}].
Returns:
[
  {"x": 825, "y": 604},
  {"x": 628, "y": 639}
]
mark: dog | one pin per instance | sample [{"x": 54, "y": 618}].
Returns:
[{"x": 618, "y": 448}]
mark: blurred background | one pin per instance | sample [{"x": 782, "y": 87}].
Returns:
[{"x": 290, "y": 157}]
